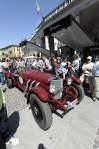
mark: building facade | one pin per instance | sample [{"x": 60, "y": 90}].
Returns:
[
  {"x": 11, "y": 51},
  {"x": 74, "y": 23},
  {"x": 30, "y": 49}
]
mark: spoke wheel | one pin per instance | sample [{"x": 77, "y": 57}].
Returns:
[{"x": 41, "y": 112}]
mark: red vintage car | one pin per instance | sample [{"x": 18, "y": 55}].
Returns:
[{"x": 46, "y": 93}]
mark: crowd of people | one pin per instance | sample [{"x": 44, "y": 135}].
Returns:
[{"x": 57, "y": 65}]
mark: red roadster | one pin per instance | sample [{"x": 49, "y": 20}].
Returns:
[{"x": 46, "y": 93}]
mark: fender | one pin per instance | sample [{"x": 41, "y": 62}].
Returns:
[
  {"x": 8, "y": 74},
  {"x": 40, "y": 92},
  {"x": 76, "y": 80}
]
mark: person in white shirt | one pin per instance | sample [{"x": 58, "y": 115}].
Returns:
[
  {"x": 96, "y": 67},
  {"x": 96, "y": 74},
  {"x": 87, "y": 69},
  {"x": 88, "y": 66},
  {"x": 47, "y": 63},
  {"x": 34, "y": 63},
  {"x": 64, "y": 62},
  {"x": 76, "y": 64},
  {"x": 40, "y": 64}
]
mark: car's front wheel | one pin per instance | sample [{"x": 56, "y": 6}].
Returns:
[{"x": 41, "y": 112}]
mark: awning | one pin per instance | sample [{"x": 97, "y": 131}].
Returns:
[{"x": 69, "y": 32}]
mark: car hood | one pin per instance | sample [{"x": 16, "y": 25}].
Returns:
[{"x": 36, "y": 75}]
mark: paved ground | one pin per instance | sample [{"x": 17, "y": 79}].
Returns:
[{"x": 77, "y": 130}]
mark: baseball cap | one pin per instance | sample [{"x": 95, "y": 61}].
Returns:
[{"x": 89, "y": 57}]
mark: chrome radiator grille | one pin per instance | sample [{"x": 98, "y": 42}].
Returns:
[{"x": 58, "y": 88}]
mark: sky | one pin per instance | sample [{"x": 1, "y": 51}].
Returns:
[{"x": 19, "y": 19}]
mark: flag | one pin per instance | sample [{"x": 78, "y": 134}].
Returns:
[{"x": 38, "y": 7}]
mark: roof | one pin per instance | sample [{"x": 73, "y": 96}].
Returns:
[
  {"x": 7, "y": 47},
  {"x": 25, "y": 42}
]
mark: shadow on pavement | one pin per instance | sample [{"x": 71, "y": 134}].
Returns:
[
  {"x": 13, "y": 122},
  {"x": 41, "y": 146},
  {"x": 8, "y": 127},
  {"x": 2, "y": 144}
]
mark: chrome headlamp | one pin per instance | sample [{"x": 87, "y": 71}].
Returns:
[
  {"x": 69, "y": 81},
  {"x": 52, "y": 89},
  {"x": 51, "y": 85}
]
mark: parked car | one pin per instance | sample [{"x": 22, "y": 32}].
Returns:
[{"x": 46, "y": 93}]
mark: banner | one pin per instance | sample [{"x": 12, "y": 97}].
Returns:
[{"x": 38, "y": 7}]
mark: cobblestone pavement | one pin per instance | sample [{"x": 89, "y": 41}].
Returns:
[{"x": 17, "y": 102}]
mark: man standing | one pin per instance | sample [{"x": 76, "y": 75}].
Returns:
[
  {"x": 13, "y": 66},
  {"x": 87, "y": 69},
  {"x": 96, "y": 74},
  {"x": 76, "y": 64}
]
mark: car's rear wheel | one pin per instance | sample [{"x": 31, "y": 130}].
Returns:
[
  {"x": 41, "y": 112},
  {"x": 9, "y": 83}
]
